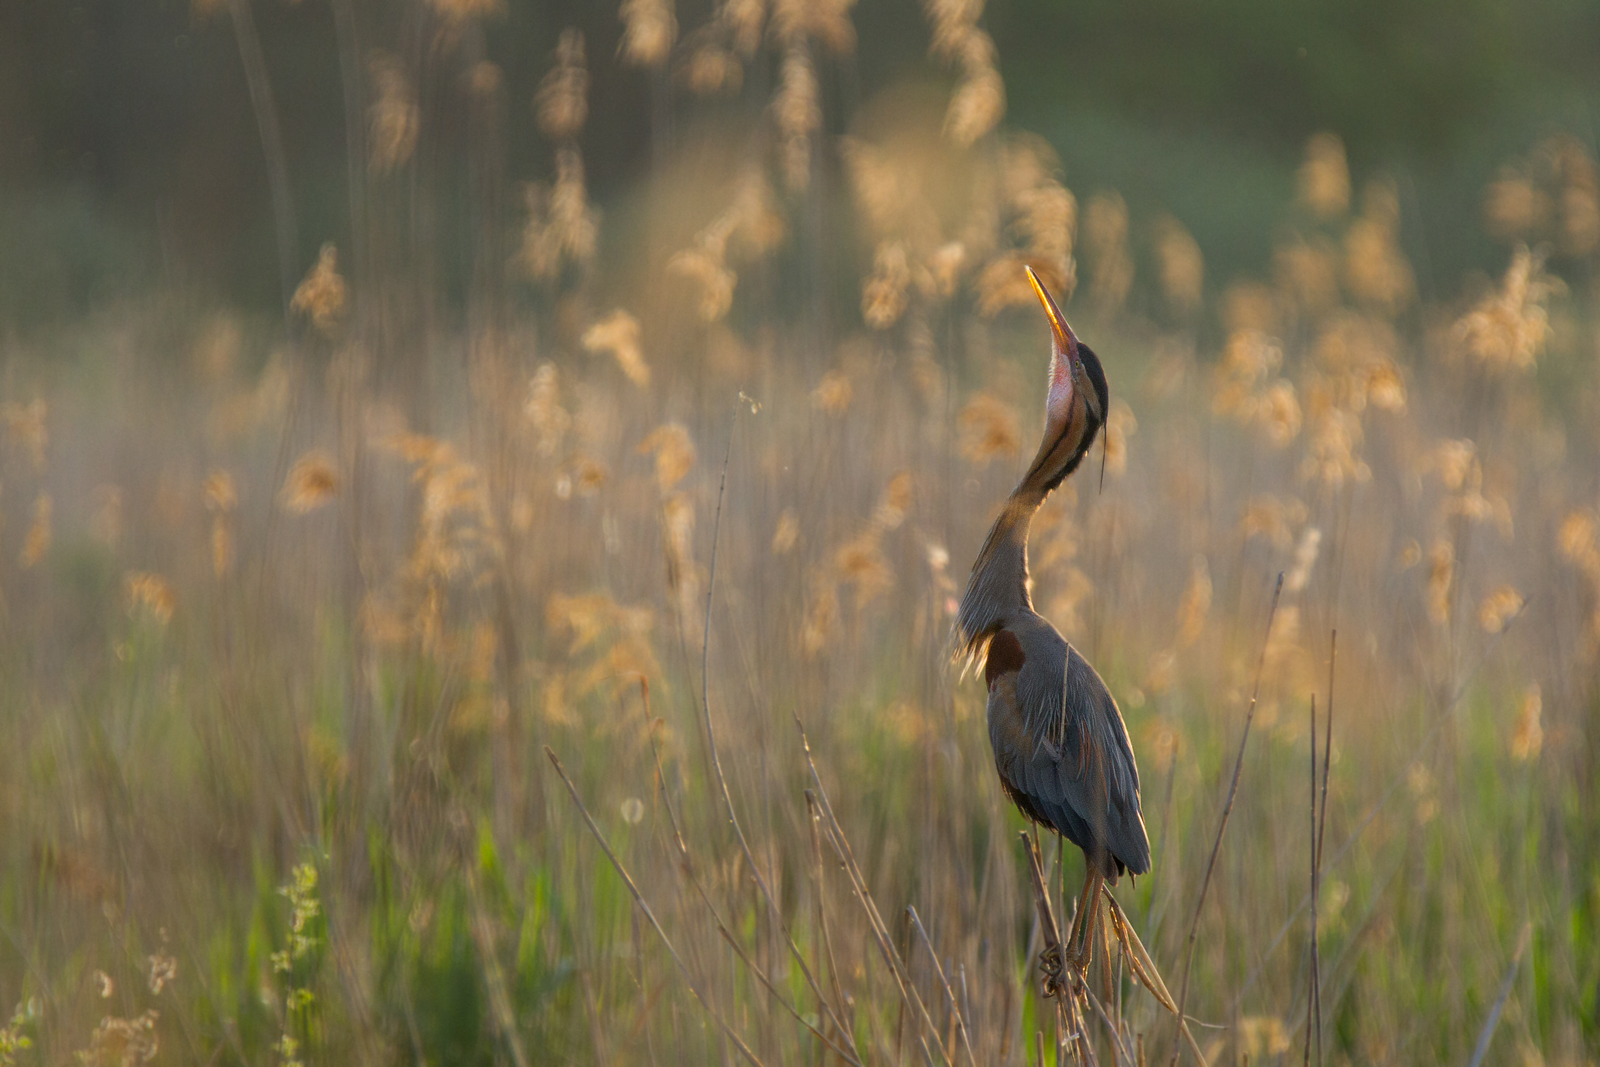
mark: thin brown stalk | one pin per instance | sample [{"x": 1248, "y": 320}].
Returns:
[
  {"x": 1311, "y": 984},
  {"x": 1322, "y": 825},
  {"x": 711, "y": 741},
  {"x": 858, "y": 885},
  {"x": 851, "y": 1056},
  {"x": 955, "y": 1008},
  {"x": 644, "y": 906},
  {"x": 1227, "y": 810},
  {"x": 1487, "y": 1033}
]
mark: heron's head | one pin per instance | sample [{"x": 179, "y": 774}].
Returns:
[{"x": 1076, "y": 406}]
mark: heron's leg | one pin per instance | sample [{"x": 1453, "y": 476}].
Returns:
[{"x": 1080, "y": 946}]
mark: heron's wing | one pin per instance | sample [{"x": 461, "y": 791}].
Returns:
[{"x": 1079, "y": 767}]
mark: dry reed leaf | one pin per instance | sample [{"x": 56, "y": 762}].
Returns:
[
  {"x": 648, "y": 29},
  {"x": 321, "y": 295},
  {"x": 674, "y": 453},
  {"x": 1498, "y": 608},
  {"x": 37, "y": 542},
  {"x": 988, "y": 429},
  {"x": 1527, "y": 736},
  {"x": 311, "y": 483},
  {"x": 1325, "y": 177},
  {"x": 148, "y": 593},
  {"x": 394, "y": 119},
  {"x": 562, "y": 102},
  {"x": 618, "y": 334}
]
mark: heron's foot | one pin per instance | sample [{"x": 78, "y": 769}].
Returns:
[{"x": 1051, "y": 972}]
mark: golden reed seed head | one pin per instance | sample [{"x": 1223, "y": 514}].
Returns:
[
  {"x": 1195, "y": 604},
  {"x": 618, "y": 334},
  {"x": 648, "y": 29},
  {"x": 321, "y": 295},
  {"x": 37, "y": 542},
  {"x": 311, "y": 483},
  {"x": 148, "y": 592},
  {"x": 786, "y": 533},
  {"x": 674, "y": 453},
  {"x": 1181, "y": 266},
  {"x": 1498, "y": 608},
  {"x": 394, "y": 119},
  {"x": 883, "y": 294},
  {"x": 562, "y": 102},
  {"x": 26, "y": 428},
  {"x": 1509, "y": 327},
  {"x": 1325, "y": 177},
  {"x": 833, "y": 394},
  {"x": 1120, "y": 425},
  {"x": 1527, "y": 735},
  {"x": 988, "y": 428}
]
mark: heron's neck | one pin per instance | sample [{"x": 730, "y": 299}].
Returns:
[{"x": 998, "y": 588}]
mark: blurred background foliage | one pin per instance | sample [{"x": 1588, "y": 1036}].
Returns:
[{"x": 130, "y": 158}]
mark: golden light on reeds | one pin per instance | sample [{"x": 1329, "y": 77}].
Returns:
[
  {"x": 1195, "y": 604},
  {"x": 1509, "y": 327},
  {"x": 884, "y": 293},
  {"x": 27, "y": 429},
  {"x": 562, "y": 103},
  {"x": 1325, "y": 176},
  {"x": 648, "y": 29},
  {"x": 1441, "y": 577},
  {"x": 394, "y": 119},
  {"x": 797, "y": 110},
  {"x": 1267, "y": 516},
  {"x": 40, "y": 532},
  {"x": 1375, "y": 270},
  {"x": 222, "y": 496},
  {"x": 543, "y": 408},
  {"x": 312, "y": 482},
  {"x": 979, "y": 101},
  {"x": 1261, "y": 1036},
  {"x": 1527, "y": 734},
  {"x": 1120, "y": 425},
  {"x": 833, "y": 394},
  {"x": 562, "y": 228},
  {"x": 149, "y": 593},
  {"x": 322, "y": 294},
  {"x": 674, "y": 453},
  {"x": 1305, "y": 558},
  {"x": 786, "y": 533},
  {"x": 1180, "y": 265},
  {"x": 1105, "y": 233},
  {"x": 618, "y": 334},
  {"x": 1499, "y": 608},
  {"x": 988, "y": 429}
]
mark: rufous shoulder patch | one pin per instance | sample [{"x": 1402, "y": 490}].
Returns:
[{"x": 1005, "y": 656}]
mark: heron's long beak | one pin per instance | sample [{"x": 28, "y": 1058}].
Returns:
[{"x": 1065, "y": 340}]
